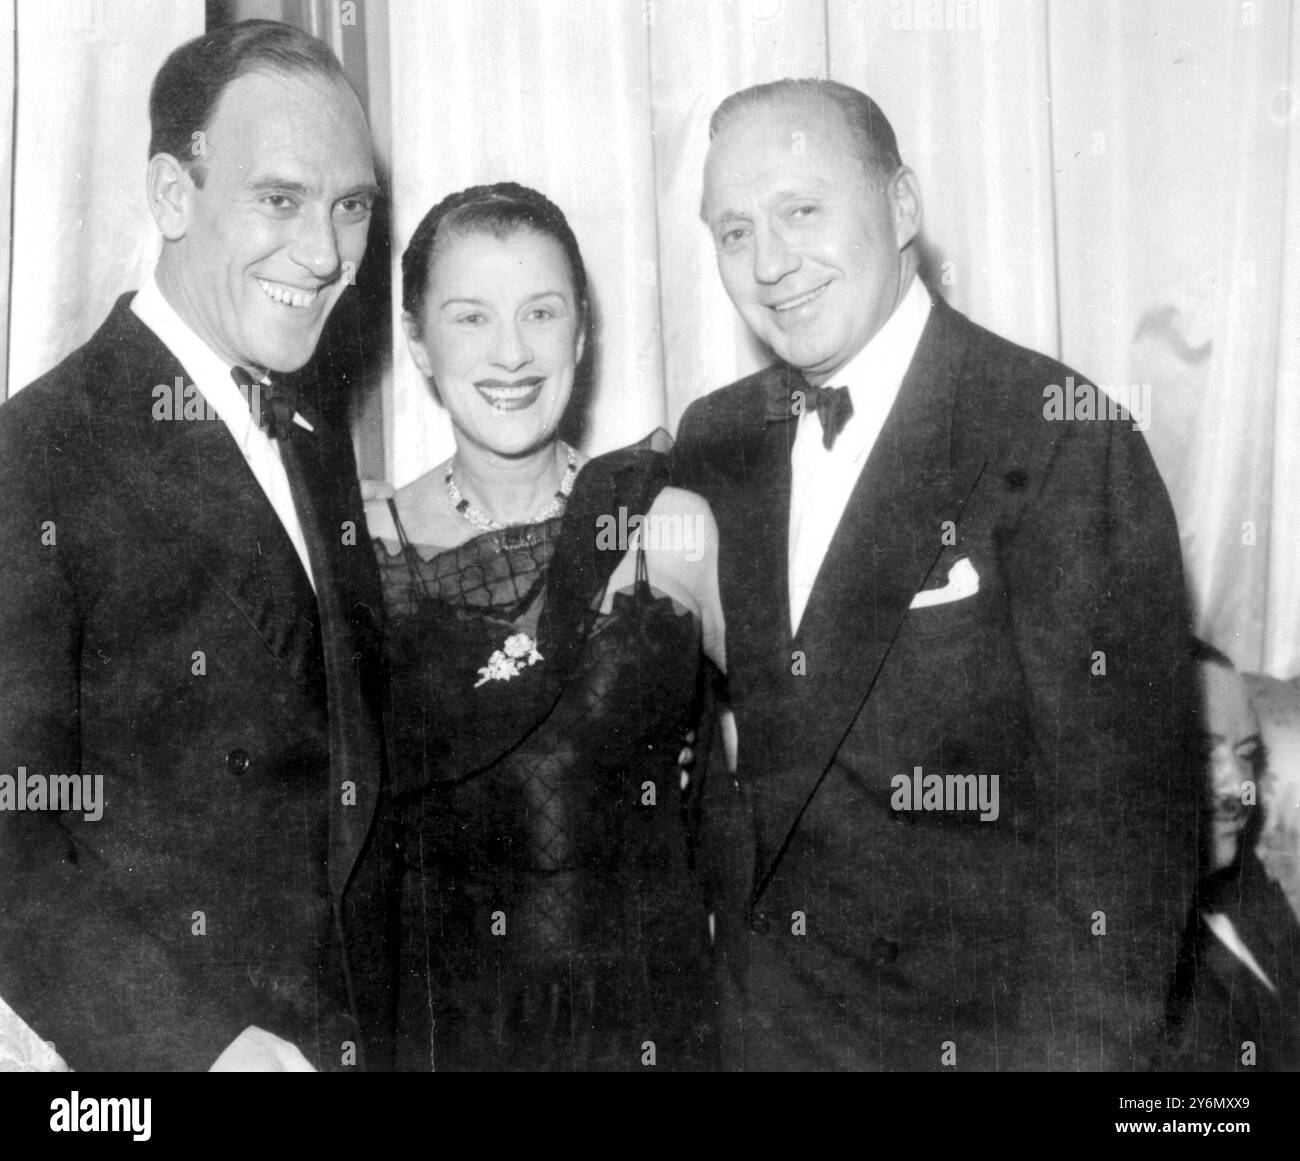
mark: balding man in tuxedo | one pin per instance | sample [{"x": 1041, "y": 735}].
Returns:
[{"x": 962, "y": 826}]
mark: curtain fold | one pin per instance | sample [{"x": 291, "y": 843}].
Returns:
[
  {"x": 555, "y": 96},
  {"x": 699, "y": 53},
  {"x": 968, "y": 103},
  {"x": 82, "y": 231},
  {"x": 7, "y": 41},
  {"x": 1172, "y": 212},
  {"x": 1281, "y": 628}
]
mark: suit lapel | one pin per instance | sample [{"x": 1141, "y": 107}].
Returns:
[
  {"x": 884, "y": 548},
  {"x": 203, "y": 500},
  {"x": 754, "y": 565},
  {"x": 349, "y": 599}
]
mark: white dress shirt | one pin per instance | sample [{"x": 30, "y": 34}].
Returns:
[
  {"x": 211, "y": 375},
  {"x": 821, "y": 480}
]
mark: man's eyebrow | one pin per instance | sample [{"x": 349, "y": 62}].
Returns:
[
  {"x": 774, "y": 198},
  {"x": 1252, "y": 739},
  {"x": 290, "y": 185},
  {"x": 284, "y": 184},
  {"x": 366, "y": 189},
  {"x": 725, "y": 218}
]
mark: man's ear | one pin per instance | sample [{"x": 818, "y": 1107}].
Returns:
[
  {"x": 415, "y": 344},
  {"x": 171, "y": 193},
  {"x": 905, "y": 204}
]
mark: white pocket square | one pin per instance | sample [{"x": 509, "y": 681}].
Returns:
[{"x": 963, "y": 582}]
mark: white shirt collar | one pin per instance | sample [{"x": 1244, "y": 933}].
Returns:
[
  {"x": 210, "y": 373},
  {"x": 873, "y": 377},
  {"x": 822, "y": 479},
  {"x": 887, "y": 355},
  {"x": 208, "y": 370}
]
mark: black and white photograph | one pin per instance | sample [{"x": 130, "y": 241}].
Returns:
[{"x": 635, "y": 536}]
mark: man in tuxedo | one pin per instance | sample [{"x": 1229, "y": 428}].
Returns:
[
  {"x": 1235, "y": 1003},
  {"x": 961, "y": 828},
  {"x": 189, "y": 616}
]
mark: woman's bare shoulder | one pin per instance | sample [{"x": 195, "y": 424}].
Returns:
[
  {"x": 673, "y": 500},
  {"x": 679, "y": 533}
]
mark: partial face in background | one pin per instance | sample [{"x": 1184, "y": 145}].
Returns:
[
  {"x": 809, "y": 244},
  {"x": 500, "y": 337},
  {"x": 1234, "y": 757},
  {"x": 259, "y": 256}
]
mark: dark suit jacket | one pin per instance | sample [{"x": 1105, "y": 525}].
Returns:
[
  {"x": 157, "y": 629},
  {"x": 854, "y": 933}
]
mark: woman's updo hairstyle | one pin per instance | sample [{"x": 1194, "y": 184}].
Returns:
[{"x": 499, "y": 210}]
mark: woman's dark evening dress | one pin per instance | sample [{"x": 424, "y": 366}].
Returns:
[{"x": 550, "y": 919}]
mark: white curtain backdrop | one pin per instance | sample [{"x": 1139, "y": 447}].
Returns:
[
  {"x": 81, "y": 229},
  {"x": 1114, "y": 182}
]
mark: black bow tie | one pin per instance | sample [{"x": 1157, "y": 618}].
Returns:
[
  {"x": 834, "y": 407},
  {"x": 273, "y": 403}
]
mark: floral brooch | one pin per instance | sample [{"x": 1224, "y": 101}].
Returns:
[{"x": 520, "y": 650}]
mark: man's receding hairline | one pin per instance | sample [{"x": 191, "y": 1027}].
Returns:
[
  {"x": 869, "y": 171},
  {"x": 273, "y": 71},
  {"x": 278, "y": 72},
  {"x": 197, "y": 166},
  {"x": 783, "y": 101},
  {"x": 858, "y": 118},
  {"x": 790, "y": 103}
]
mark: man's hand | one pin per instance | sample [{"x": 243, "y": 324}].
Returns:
[{"x": 256, "y": 1050}]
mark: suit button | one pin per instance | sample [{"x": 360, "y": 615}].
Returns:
[
  {"x": 759, "y": 923},
  {"x": 238, "y": 761},
  {"x": 883, "y": 952}
]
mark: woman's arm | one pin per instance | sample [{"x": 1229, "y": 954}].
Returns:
[{"x": 681, "y": 542}]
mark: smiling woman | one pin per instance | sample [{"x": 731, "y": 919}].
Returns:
[
  {"x": 543, "y": 677},
  {"x": 502, "y": 340}
]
